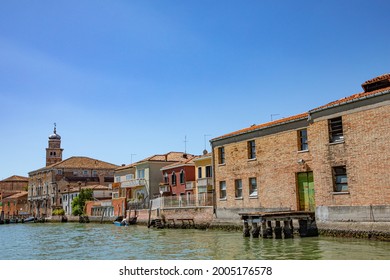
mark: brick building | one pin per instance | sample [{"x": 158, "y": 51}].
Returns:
[
  {"x": 10, "y": 186},
  {"x": 333, "y": 160},
  {"x": 15, "y": 206},
  {"x": 47, "y": 184}
]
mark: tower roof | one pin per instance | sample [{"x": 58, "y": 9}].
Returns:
[{"x": 55, "y": 136}]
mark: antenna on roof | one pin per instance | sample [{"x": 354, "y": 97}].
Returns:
[
  {"x": 272, "y": 116},
  {"x": 185, "y": 144},
  {"x": 205, "y": 135},
  {"x": 131, "y": 158}
]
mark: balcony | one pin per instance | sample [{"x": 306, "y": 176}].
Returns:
[
  {"x": 164, "y": 188},
  {"x": 205, "y": 182},
  {"x": 133, "y": 183},
  {"x": 190, "y": 185}
]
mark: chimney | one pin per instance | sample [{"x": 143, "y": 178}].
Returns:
[{"x": 377, "y": 83}]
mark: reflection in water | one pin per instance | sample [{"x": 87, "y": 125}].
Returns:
[{"x": 104, "y": 242}]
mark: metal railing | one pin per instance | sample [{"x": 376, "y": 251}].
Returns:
[{"x": 204, "y": 199}]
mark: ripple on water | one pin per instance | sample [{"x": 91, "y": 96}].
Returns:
[{"x": 108, "y": 242}]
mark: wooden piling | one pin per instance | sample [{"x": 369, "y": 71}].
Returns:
[
  {"x": 246, "y": 232},
  {"x": 283, "y": 224},
  {"x": 278, "y": 230},
  {"x": 255, "y": 230},
  {"x": 287, "y": 231}
]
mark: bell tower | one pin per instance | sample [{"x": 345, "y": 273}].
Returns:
[{"x": 54, "y": 151}]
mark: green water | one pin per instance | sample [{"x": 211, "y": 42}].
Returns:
[{"x": 73, "y": 241}]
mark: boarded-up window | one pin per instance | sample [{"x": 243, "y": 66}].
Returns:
[{"x": 336, "y": 130}]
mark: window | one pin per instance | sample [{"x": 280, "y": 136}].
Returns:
[
  {"x": 117, "y": 179},
  {"x": 340, "y": 179},
  {"x": 222, "y": 189},
  {"x": 199, "y": 172},
  {"x": 221, "y": 155},
  {"x": 182, "y": 177},
  {"x": 85, "y": 172},
  {"x": 166, "y": 180},
  {"x": 129, "y": 177},
  {"x": 252, "y": 187},
  {"x": 209, "y": 171},
  {"x": 238, "y": 188},
  {"x": 141, "y": 173},
  {"x": 336, "y": 130},
  {"x": 251, "y": 149},
  {"x": 302, "y": 140},
  {"x": 173, "y": 178}
]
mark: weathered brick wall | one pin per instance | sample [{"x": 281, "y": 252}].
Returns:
[
  {"x": 365, "y": 153},
  {"x": 201, "y": 215},
  {"x": 275, "y": 168}
]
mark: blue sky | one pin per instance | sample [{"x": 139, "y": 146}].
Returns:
[{"x": 125, "y": 80}]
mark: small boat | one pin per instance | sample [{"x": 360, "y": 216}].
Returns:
[
  {"x": 28, "y": 220},
  {"x": 125, "y": 222},
  {"x": 119, "y": 224}
]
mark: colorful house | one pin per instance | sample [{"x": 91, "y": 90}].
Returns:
[
  {"x": 139, "y": 182},
  {"x": 179, "y": 178},
  {"x": 204, "y": 179}
]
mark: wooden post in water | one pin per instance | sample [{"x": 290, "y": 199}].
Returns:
[
  {"x": 278, "y": 230},
  {"x": 246, "y": 229},
  {"x": 150, "y": 212},
  {"x": 269, "y": 230},
  {"x": 255, "y": 230},
  {"x": 286, "y": 229},
  {"x": 302, "y": 227},
  {"x": 264, "y": 228}
]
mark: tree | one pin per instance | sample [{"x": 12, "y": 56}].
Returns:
[{"x": 78, "y": 202}]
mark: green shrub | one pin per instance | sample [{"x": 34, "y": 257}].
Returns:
[{"x": 58, "y": 212}]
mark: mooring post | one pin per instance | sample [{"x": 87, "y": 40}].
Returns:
[
  {"x": 303, "y": 227},
  {"x": 255, "y": 230},
  {"x": 264, "y": 228},
  {"x": 286, "y": 229},
  {"x": 246, "y": 229},
  {"x": 278, "y": 230},
  {"x": 269, "y": 229}
]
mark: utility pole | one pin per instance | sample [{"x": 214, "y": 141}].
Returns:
[{"x": 205, "y": 135}]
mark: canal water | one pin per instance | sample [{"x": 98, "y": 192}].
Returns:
[{"x": 74, "y": 241}]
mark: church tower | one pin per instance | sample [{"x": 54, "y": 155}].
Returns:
[{"x": 54, "y": 151}]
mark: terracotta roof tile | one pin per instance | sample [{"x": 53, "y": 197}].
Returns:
[
  {"x": 264, "y": 125},
  {"x": 171, "y": 156},
  {"x": 377, "y": 79},
  {"x": 17, "y": 195},
  {"x": 188, "y": 161},
  {"x": 80, "y": 162},
  {"x": 351, "y": 98},
  {"x": 15, "y": 178}
]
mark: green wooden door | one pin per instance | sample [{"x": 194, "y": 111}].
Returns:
[{"x": 306, "y": 191}]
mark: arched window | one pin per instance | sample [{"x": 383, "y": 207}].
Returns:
[
  {"x": 182, "y": 177},
  {"x": 173, "y": 178},
  {"x": 166, "y": 179}
]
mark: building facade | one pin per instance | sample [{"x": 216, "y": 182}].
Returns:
[
  {"x": 178, "y": 178},
  {"x": 204, "y": 188},
  {"x": 47, "y": 184},
  {"x": 333, "y": 160},
  {"x": 140, "y": 182}
]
